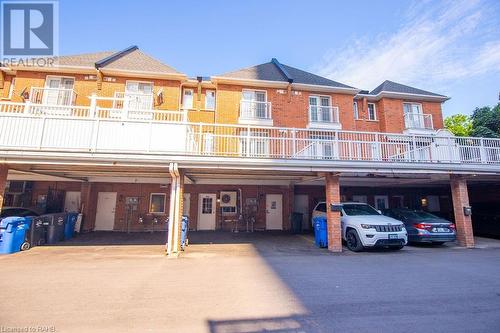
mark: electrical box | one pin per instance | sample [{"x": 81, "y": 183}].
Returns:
[
  {"x": 467, "y": 211},
  {"x": 132, "y": 203}
]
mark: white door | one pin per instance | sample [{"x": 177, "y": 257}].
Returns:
[
  {"x": 72, "y": 201},
  {"x": 274, "y": 212},
  {"x": 206, "y": 211},
  {"x": 139, "y": 95},
  {"x": 105, "y": 215},
  {"x": 301, "y": 205},
  {"x": 187, "y": 99},
  {"x": 360, "y": 198},
  {"x": 186, "y": 206},
  {"x": 381, "y": 202}
]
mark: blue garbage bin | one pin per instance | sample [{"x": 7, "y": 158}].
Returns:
[
  {"x": 320, "y": 231},
  {"x": 184, "y": 231},
  {"x": 13, "y": 234},
  {"x": 69, "y": 226}
]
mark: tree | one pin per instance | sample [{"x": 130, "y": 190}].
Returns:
[
  {"x": 486, "y": 122},
  {"x": 459, "y": 124}
]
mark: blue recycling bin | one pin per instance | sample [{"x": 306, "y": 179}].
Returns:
[
  {"x": 13, "y": 234},
  {"x": 69, "y": 226},
  {"x": 320, "y": 231},
  {"x": 184, "y": 231}
]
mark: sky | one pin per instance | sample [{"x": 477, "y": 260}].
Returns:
[{"x": 451, "y": 47}]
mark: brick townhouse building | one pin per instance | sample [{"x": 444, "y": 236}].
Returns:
[{"x": 127, "y": 141}]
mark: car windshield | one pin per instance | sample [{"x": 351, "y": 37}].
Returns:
[
  {"x": 16, "y": 212},
  {"x": 359, "y": 209},
  {"x": 417, "y": 214}
]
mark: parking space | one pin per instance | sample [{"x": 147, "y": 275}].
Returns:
[{"x": 272, "y": 282}]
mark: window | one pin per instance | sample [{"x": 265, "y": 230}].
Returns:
[
  {"x": 58, "y": 91},
  {"x": 372, "y": 112},
  {"x": 207, "y": 205},
  {"x": 139, "y": 95},
  {"x": 187, "y": 99},
  {"x": 157, "y": 203},
  {"x": 412, "y": 108},
  {"x": 320, "y": 109},
  {"x": 355, "y": 108},
  {"x": 254, "y": 105},
  {"x": 210, "y": 100}
]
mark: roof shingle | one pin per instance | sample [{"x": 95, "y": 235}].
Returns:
[{"x": 390, "y": 86}]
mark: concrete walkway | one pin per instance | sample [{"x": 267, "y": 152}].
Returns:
[{"x": 248, "y": 283}]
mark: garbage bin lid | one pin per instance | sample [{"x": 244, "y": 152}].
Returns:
[{"x": 14, "y": 220}]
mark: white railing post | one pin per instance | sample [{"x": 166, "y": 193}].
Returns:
[
  {"x": 294, "y": 142},
  {"x": 415, "y": 152},
  {"x": 449, "y": 149},
  {"x": 185, "y": 117},
  {"x": 482, "y": 151},
  {"x": 431, "y": 122},
  {"x": 125, "y": 108},
  {"x": 27, "y": 107},
  {"x": 248, "y": 141},
  {"x": 93, "y": 105},
  {"x": 377, "y": 147},
  {"x": 200, "y": 138}
]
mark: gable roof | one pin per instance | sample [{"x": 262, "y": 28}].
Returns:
[
  {"x": 130, "y": 59},
  {"x": 394, "y": 87},
  {"x": 277, "y": 72}
]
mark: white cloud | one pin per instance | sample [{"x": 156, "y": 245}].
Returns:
[{"x": 436, "y": 44}]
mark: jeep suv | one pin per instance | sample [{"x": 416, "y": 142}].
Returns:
[{"x": 363, "y": 226}]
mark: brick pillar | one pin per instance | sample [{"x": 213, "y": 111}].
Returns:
[
  {"x": 333, "y": 218},
  {"x": 463, "y": 223},
  {"x": 86, "y": 209},
  {"x": 4, "y": 170}
]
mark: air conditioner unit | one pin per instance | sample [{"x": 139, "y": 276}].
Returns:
[{"x": 227, "y": 199}]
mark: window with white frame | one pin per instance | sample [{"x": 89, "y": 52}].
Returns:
[
  {"x": 210, "y": 100},
  {"x": 254, "y": 105},
  {"x": 157, "y": 203},
  {"x": 413, "y": 115},
  {"x": 355, "y": 108},
  {"x": 58, "y": 91},
  {"x": 372, "y": 111},
  {"x": 320, "y": 109},
  {"x": 187, "y": 99},
  {"x": 139, "y": 95}
]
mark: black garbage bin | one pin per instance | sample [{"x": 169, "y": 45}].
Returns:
[
  {"x": 297, "y": 222},
  {"x": 55, "y": 229},
  {"x": 36, "y": 234}
]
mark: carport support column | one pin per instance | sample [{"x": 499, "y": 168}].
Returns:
[
  {"x": 333, "y": 218},
  {"x": 4, "y": 170},
  {"x": 85, "y": 197},
  {"x": 173, "y": 246},
  {"x": 463, "y": 223}
]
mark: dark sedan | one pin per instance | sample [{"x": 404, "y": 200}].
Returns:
[
  {"x": 17, "y": 211},
  {"x": 424, "y": 227}
]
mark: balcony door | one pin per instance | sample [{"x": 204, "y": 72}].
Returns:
[
  {"x": 413, "y": 115},
  {"x": 254, "y": 105},
  {"x": 58, "y": 91},
  {"x": 320, "y": 109},
  {"x": 139, "y": 95}
]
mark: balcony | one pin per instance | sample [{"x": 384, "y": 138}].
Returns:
[
  {"x": 51, "y": 100},
  {"x": 255, "y": 113},
  {"x": 93, "y": 131},
  {"x": 326, "y": 117},
  {"x": 418, "y": 122}
]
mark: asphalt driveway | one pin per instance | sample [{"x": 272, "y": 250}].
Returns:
[{"x": 248, "y": 283}]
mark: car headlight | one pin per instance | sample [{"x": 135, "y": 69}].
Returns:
[{"x": 367, "y": 226}]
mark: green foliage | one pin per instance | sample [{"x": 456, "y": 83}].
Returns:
[
  {"x": 459, "y": 125},
  {"x": 486, "y": 122}
]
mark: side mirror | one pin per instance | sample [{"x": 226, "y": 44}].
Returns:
[{"x": 379, "y": 211}]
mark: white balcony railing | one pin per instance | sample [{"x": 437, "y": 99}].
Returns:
[
  {"x": 52, "y": 96},
  {"x": 323, "y": 114},
  {"x": 418, "y": 121},
  {"x": 133, "y": 101},
  {"x": 254, "y": 110},
  {"x": 95, "y": 129}
]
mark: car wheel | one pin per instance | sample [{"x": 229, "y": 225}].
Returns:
[
  {"x": 25, "y": 246},
  {"x": 352, "y": 240},
  {"x": 397, "y": 247}
]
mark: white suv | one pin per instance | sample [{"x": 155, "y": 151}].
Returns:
[{"x": 364, "y": 226}]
